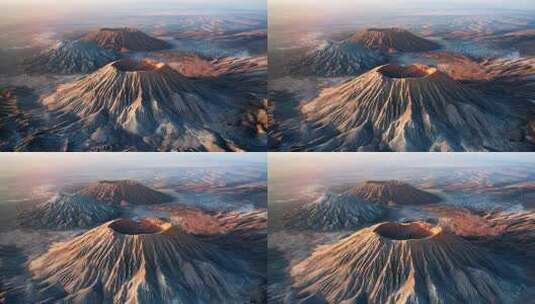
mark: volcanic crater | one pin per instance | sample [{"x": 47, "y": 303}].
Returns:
[
  {"x": 408, "y": 231},
  {"x": 130, "y": 65},
  {"x": 142, "y": 226},
  {"x": 407, "y": 71}
]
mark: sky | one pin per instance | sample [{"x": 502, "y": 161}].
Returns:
[
  {"x": 293, "y": 165},
  {"x": 22, "y": 163},
  {"x": 23, "y": 10},
  {"x": 85, "y": 4},
  {"x": 308, "y": 10}
]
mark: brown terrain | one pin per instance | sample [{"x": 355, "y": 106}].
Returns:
[
  {"x": 125, "y": 39},
  {"x": 393, "y": 39},
  {"x": 393, "y": 193},
  {"x": 198, "y": 221},
  {"x": 122, "y": 192}
]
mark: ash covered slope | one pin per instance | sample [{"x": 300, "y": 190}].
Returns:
[
  {"x": 69, "y": 57},
  {"x": 126, "y": 39},
  {"x": 404, "y": 263},
  {"x": 147, "y": 103},
  {"x": 334, "y": 211},
  {"x": 148, "y": 261},
  {"x": 393, "y": 39},
  {"x": 411, "y": 108},
  {"x": 67, "y": 211},
  {"x": 124, "y": 192},
  {"x": 333, "y": 59},
  {"x": 393, "y": 192}
]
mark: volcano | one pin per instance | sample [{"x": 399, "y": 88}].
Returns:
[
  {"x": 121, "y": 192},
  {"x": 126, "y": 39},
  {"x": 404, "y": 263},
  {"x": 67, "y": 211},
  {"x": 144, "y": 103},
  {"x": 69, "y": 57},
  {"x": 334, "y": 59},
  {"x": 410, "y": 108},
  {"x": 393, "y": 192},
  {"x": 145, "y": 261},
  {"x": 334, "y": 211},
  {"x": 393, "y": 39}
]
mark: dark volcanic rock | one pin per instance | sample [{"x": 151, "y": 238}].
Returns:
[
  {"x": 124, "y": 192},
  {"x": 393, "y": 192},
  {"x": 393, "y": 39},
  {"x": 126, "y": 39}
]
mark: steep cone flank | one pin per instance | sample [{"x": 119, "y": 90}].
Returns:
[
  {"x": 68, "y": 211},
  {"x": 142, "y": 97},
  {"x": 146, "y": 261},
  {"x": 334, "y": 211},
  {"x": 126, "y": 39},
  {"x": 393, "y": 193},
  {"x": 124, "y": 192},
  {"x": 68, "y": 57},
  {"x": 334, "y": 59},
  {"x": 403, "y": 263},
  {"x": 408, "y": 108},
  {"x": 393, "y": 39}
]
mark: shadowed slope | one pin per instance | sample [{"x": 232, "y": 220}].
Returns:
[{"x": 14, "y": 123}]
